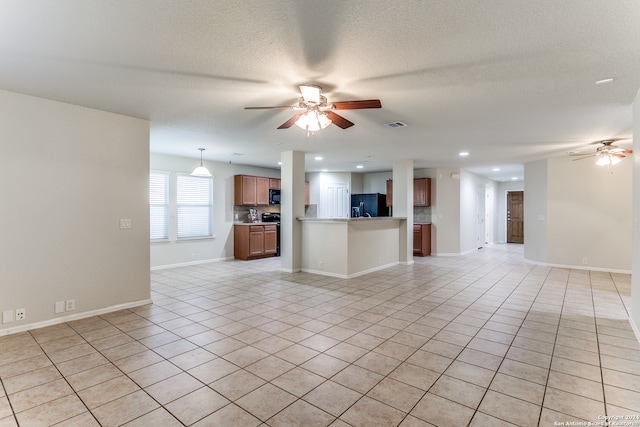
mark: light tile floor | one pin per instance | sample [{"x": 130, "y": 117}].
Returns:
[{"x": 483, "y": 339}]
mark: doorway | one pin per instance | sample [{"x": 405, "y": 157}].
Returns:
[{"x": 515, "y": 217}]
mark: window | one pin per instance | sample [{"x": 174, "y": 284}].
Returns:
[
  {"x": 159, "y": 205},
  {"x": 195, "y": 206}
]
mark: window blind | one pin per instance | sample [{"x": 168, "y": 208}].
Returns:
[
  {"x": 159, "y": 205},
  {"x": 195, "y": 206}
]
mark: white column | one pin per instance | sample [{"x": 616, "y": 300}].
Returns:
[
  {"x": 403, "y": 206},
  {"x": 635, "y": 238},
  {"x": 291, "y": 207}
]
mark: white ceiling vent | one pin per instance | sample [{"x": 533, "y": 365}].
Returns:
[{"x": 394, "y": 125}]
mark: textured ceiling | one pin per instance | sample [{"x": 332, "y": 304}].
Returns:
[{"x": 508, "y": 81}]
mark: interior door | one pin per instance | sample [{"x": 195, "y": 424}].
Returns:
[
  {"x": 335, "y": 200},
  {"x": 515, "y": 217}
]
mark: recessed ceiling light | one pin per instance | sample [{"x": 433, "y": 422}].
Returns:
[
  {"x": 279, "y": 163},
  {"x": 359, "y": 166},
  {"x": 514, "y": 178},
  {"x": 463, "y": 153},
  {"x": 324, "y": 170},
  {"x": 318, "y": 157},
  {"x": 496, "y": 169},
  {"x": 603, "y": 81}
]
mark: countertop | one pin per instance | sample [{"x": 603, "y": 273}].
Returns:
[
  {"x": 361, "y": 219},
  {"x": 255, "y": 223}
]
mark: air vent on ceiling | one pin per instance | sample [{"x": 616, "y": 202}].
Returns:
[{"x": 394, "y": 125}]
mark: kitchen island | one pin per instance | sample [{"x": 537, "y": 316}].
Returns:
[{"x": 350, "y": 247}]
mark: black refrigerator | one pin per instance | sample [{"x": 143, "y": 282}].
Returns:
[{"x": 374, "y": 204}]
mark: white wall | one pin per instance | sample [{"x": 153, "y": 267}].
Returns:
[
  {"x": 635, "y": 265},
  {"x": 445, "y": 228},
  {"x": 375, "y": 182},
  {"x": 535, "y": 211},
  {"x": 221, "y": 246},
  {"x": 576, "y": 211},
  {"x": 589, "y": 214},
  {"x": 68, "y": 174}
]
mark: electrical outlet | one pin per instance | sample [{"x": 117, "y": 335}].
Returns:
[
  {"x": 321, "y": 265},
  {"x": 59, "y": 307},
  {"x": 71, "y": 305},
  {"x": 21, "y": 314},
  {"x": 585, "y": 261},
  {"x": 125, "y": 223}
]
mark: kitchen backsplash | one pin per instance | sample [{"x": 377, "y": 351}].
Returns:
[
  {"x": 242, "y": 212},
  {"x": 422, "y": 214}
]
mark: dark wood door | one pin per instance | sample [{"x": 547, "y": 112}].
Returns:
[{"x": 515, "y": 217}]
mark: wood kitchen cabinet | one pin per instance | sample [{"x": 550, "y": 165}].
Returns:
[
  {"x": 307, "y": 193},
  {"x": 250, "y": 190},
  {"x": 274, "y": 183},
  {"x": 262, "y": 190},
  {"x": 421, "y": 239},
  {"x": 254, "y": 241},
  {"x": 421, "y": 192}
]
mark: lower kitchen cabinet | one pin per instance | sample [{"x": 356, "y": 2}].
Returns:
[
  {"x": 421, "y": 239},
  {"x": 254, "y": 241}
]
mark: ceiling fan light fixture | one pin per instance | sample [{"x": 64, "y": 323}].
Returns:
[
  {"x": 607, "y": 160},
  {"x": 313, "y": 121},
  {"x": 201, "y": 170}
]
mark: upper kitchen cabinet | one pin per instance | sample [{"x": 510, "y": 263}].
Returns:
[
  {"x": 389, "y": 193},
  {"x": 250, "y": 190},
  {"x": 421, "y": 192},
  {"x": 274, "y": 183}
]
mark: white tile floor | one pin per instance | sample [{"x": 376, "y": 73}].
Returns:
[{"x": 479, "y": 340}]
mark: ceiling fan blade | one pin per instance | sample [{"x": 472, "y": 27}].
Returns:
[
  {"x": 278, "y": 107},
  {"x": 339, "y": 120},
  {"x": 581, "y": 153},
  {"x": 310, "y": 93},
  {"x": 585, "y": 157},
  {"x": 357, "y": 105},
  {"x": 290, "y": 122}
]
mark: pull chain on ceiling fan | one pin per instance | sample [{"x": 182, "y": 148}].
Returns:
[{"x": 316, "y": 113}]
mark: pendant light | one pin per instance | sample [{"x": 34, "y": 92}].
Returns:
[{"x": 201, "y": 170}]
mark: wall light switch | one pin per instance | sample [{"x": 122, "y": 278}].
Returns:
[
  {"x": 7, "y": 316},
  {"x": 59, "y": 307},
  {"x": 125, "y": 223}
]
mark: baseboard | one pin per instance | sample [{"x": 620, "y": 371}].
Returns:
[
  {"x": 349, "y": 276},
  {"x": 577, "y": 267},
  {"x": 324, "y": 273},
  {"x": 635, "y": 328},
  {"x": 291, "y": 270},
  {"x": 186, "y": 264},
  {"x": 470, "y": 251},
  {"x": 72, "y": 317}
]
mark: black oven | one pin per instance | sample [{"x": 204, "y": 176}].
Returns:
[{"x": 274, "y": 197}]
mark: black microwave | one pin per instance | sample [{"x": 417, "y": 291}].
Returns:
[{"x": 274, "y": 197}]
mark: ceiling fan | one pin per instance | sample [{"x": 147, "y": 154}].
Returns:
[
  {"x": 607, "y": 154},
  {"x": 314, "y": 112}
]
